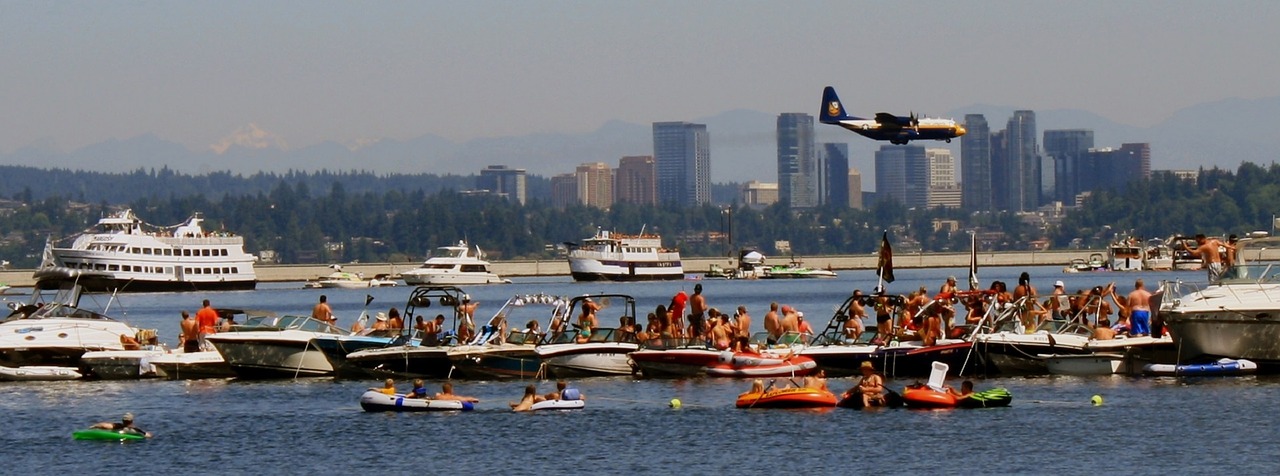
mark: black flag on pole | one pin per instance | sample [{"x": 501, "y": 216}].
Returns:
[{"x": 886, "y": 260}]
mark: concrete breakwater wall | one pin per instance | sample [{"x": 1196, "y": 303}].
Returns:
[{"x": 560, "y": 267}]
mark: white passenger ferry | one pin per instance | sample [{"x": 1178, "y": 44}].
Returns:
[
  {"x": 139, "y": 257},
  {"x": 617, "y": 257}
]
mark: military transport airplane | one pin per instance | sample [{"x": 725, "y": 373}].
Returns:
[{"x": 885, "y": 126}]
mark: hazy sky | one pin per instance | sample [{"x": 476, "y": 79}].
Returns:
[{"x": 77, "y": 73}]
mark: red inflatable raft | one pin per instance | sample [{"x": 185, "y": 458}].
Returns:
[{"x": 787, "y": 398}]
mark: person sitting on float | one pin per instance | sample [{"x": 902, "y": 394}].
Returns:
[{"x": 966, "y": 389}]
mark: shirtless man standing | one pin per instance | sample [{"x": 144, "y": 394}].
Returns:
[
  {"x": 743, "y": 334},
  {"x": 1207, "y": 250},
  {"x": 322, "y": 311},
  {"x": 190, "y": 333},
  {"x": 772, "y": 325},
  {"x": 697, "y": 312},
  {"x": 1139, "y": 310}
]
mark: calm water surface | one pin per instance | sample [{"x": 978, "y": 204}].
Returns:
[{"x": 316, "y": 426}]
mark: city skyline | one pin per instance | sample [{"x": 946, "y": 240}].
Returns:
[{"x": 209, "y": 75}]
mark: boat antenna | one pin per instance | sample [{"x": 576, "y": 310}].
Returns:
[{"x": 642, "y": 228}]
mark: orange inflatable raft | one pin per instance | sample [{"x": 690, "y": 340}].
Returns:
[
  {"x": 787, "y": 398},
  {"x": 921, "y": 396}
]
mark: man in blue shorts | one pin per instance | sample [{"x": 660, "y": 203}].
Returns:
[{"x": 1139, "y": 310}]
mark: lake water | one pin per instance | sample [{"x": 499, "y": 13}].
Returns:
[{"x": 316, "y": 426}]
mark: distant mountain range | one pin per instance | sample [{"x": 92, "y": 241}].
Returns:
[{"x": 1223, "y": 133}]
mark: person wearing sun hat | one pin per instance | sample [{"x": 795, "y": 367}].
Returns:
[
  {"x": 871, "y": 386},
  {"x": 1058, "y": 300}
]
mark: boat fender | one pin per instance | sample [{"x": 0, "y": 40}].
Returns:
[
  {"x": 570, "y": 394},
  {"x": 468, "y": 406},
  {"x": 726, "y": 357}
]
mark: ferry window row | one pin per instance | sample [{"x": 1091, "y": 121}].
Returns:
[
  {"x": 232, "y": 270},
  {"x": 161, "y": 251}
]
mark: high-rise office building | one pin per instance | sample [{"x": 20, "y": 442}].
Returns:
[
  {"x": 902, "y": 175},
  {"x": 595, "y": 184},
  {"x": 635, "y": 180},
  {"x": 942, "y": 167},
  {"x": 834, "y": 182},
  {"x": 797, "y": 168},
  {"x": 1117, "y": 167},
  {"x": 1000, "y": 173},
  {"x": 503, "y": 181},
  {"x": 1024, "y": 162},
  {"x": 564, "y": 190},
  {"x": 1068, "y": 150},
  {"x": 682, "y": 156},
  {"x": 975, "y": 164},
  {"x": 855, "y": 189}
]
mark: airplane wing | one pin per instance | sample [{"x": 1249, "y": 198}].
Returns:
[{"x": 887, "y": 120}]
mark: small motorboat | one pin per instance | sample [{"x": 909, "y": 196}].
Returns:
[
  {"x": 996, "y": 397},
  {"x": 32, "y": 373},
  {"x": 1218, "y": 367},
  {"x": 795, "y": 397},
  {"x": 753, "y": 365},
  {"x": 853, "y": 400},
  {"x": 100, "y": 434},
  {"x": 375, "y": 401}
]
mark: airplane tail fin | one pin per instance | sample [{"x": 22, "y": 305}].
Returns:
[{"x": 832, "y": 110}]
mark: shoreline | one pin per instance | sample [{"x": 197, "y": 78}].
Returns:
[{"x": 698, "y": 265}]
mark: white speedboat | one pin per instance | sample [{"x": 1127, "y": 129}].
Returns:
[
  {"x": 1158, "y": 256},
  {"x": 617, "y": 257},
  {"x": 52, "y": 329},
  {"x": 453, "y": 265},
  {"x": 138, "y": 257},
  {"x": 269, "y": 346},
  {"x": 343, "y": 280},
  {"x": 1237, "y": 318},
  {"x": 603, "y": 353}
]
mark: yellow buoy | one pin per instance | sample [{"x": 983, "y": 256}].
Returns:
[
  {"x": 675, "y": 403},
  {"x": 1096, "y": 400}
]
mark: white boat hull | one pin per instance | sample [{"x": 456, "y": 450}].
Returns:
[
  {"x": 454, "y": 279},
  {"x": 272, "y": 356},
  {"x": 121, "y": 364},
  {"x": 39, "y": 373},
  {"x": 1085, "y": 364},
  {"x": 587, "y": 360},
  {"x": 192, "y": 365}
]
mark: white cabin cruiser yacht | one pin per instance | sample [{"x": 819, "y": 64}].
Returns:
[
  {"x": 52, "y": 329},
  {"x": 1237, "y": 317},
  {"x": 453, "y": 265},
  {"x": 617, "y": 257}
]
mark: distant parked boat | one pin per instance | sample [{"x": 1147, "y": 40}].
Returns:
[{"x": 617, "y": 257}]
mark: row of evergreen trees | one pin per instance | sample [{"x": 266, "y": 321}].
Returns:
[{"x": 368, "y": 218}]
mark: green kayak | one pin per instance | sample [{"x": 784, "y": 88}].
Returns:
[{"x": 106, "y": 435}]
